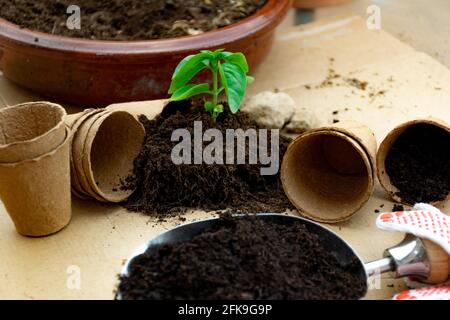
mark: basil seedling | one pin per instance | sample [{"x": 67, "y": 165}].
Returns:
[{"x": 232, "y": 68}]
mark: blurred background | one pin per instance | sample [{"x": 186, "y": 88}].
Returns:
[{"x": 425, "y": 25}]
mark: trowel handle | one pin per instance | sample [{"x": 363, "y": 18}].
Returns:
[
  {"x": 439, "y": 261},
  {"x": 415, "y": 257},
  {"x": 379, "y": 266}
]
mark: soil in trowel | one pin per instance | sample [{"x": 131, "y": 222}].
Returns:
[
  {"x": 165, "y": 189},
  {"x": 419, "y": 164},
  {"x": 128, "y": 19},
  {"x": 246, "y": 258}
]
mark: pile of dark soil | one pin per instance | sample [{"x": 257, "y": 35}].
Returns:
[
  {"x": 128, "y": 19},
  {"x": 165, "y": 189},
  {"x": 419, "y": 164},
  {"x": 246, "y": 258}
]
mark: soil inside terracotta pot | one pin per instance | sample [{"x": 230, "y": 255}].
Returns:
[
  {"x": 166, "y": 189},
  {"x": 418, "y": 164},
  {"x": 246, "y": 258},
  {"x": 128, "y": 19}
]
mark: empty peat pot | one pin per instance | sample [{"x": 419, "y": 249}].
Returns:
[
  {"x": 34, "y": 167},
  {"x": 412, "y": 257},
  {"x": 106, "y": 72},
  {"x": 104, "y": 147},
  {"x": 30, "y": 130},
  {"x": 74, "y": 122},
  {"x": 79, "y": 175},
  {"x": 388, "y": 144},
  {"x": 36, "y": 192},
  {"x": 328, "y": 173}
]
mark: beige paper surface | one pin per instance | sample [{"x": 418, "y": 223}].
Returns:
[{"x": 94, "y": 246}]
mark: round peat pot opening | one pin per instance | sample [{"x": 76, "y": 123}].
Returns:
[
  {"x": 327, "y": 175},
  {"x": 30, "y": 130},
  {"x": 117, "y": 141},
  {"x": 413, "y": 162}
]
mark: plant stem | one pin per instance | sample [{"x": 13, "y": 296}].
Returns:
[{"x": 215, "y": 86}]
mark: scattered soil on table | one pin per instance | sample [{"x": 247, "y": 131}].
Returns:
[
  {"x": 361, "y": 85},
  {"x": 360, "y": 88},
  {"x": 129, "y": 19},
  {"x": 165, "y": 189},
  {"x": 419, "y": 164},
  {"x": 398, "y": 208},
  {"x": 246, "y": 258},
  {"x": 329, "y": 80}
]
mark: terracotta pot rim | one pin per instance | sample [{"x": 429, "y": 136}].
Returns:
[{"x": 264, "y": 18}]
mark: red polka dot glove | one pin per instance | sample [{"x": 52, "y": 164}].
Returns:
[
  {"x": 440, "y": 292},
  {"x": 427, "y": 222}
]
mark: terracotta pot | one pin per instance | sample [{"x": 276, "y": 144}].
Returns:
[
  {"x": 97, "y": 73},
  {"x": 311, "y": 4}
]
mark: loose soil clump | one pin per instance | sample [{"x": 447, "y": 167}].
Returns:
[
  {"x": 418, "y": 164},
  {"x": 398, "y": 208},
  {"x": 164, "y": 189},
  {"x": 243, "y": 258},
  {"x": 129, "y": 19}
]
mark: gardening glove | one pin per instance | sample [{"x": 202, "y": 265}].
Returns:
[
  {"x": 440, "y": 292},
  {"x": 427, "y": 222}
]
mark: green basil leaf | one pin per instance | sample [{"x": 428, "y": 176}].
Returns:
[
  {"x": 187, "y": 69},
  {"x": 250, "y": 80},
  {"x": 209, "y": 53},
  {"x": 234, "y": 81},
  {"x": 218, "y": 53},
  {"x": 189, "y": 91},
  {"x": 187, "y": 60},
  {"x": 236, "y": 58},
  {"x": 187, "y": 76},
  {"x": 209, "y": 106},
  {"x": 218, "y": 109}
]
